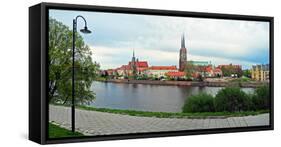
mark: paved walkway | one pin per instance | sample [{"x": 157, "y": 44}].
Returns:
[{"x": 101, "y": 123}]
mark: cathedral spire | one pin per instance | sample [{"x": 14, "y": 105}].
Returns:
[
  {"x": 182, "y": 41},
  {"x": 182, "y": 59},
  {"x": 133, "y": 58},
  {"x": 133, "y": 53},
  {"x": 133, "y": 65}
]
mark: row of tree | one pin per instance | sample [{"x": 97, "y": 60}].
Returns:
[{"x": 229, "y": 99}]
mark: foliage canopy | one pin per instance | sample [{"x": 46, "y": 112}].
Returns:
[{"x": 60, "y": 66}]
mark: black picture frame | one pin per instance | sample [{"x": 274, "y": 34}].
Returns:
[{"x": 38, "y": 69}]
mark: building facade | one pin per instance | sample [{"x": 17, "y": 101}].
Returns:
[
  {"x": 260, "y": 72},
  {"x": 176, "y": 75},
  {"x": 160, "y": 71},
  {"x": 133, "y": 68},
  {"x": 231, "y": 70}
]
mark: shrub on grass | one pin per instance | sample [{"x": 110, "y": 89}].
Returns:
[
  {"x": 261, "y": 98},
  {"x": 232, "y": 99},
  {"x": 199, "y": 103}
]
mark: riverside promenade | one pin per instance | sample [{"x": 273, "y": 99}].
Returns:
[{"x": 102, "y": 123}]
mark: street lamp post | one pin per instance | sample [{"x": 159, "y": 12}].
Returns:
[{"x": 86, "y": 31}]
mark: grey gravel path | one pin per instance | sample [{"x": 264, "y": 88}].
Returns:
[{"x": 101, "y": 123}]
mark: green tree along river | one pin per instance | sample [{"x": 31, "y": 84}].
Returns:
[{"x": 60, "y": 65}]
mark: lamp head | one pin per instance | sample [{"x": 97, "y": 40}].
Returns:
[{"x": 85, "y": 30}]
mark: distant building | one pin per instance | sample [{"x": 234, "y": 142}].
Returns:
[
  {"x": 230, "y": 66},
  {"x": 110, "y": 72},
  {"x": 133, "y": 65},
  {"x": 124, "y": 70},
  {"x": 208, "y": 71},
  {"x": 141, "y": 66},
  {"x": 202, "y": 69},
  {"x": 260, "y": 72},
  {"x": 160, "y": 71},
  {"x": 133, "y": 68},
  {"x": 231, "y": 70},
  {"x": 176, "y": 75},
  {"x": 183, "y": 54},
  {"x": 217, "y": 72}
]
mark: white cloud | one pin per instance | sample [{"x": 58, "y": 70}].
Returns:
[
  {"x": 115, "y": 57},
  {"x": 217, "y": 37},
  {"x": 157, "y": 38}
]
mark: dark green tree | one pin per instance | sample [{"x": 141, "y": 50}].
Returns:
[
  {"x": 229, "y": 70},
  {"x": 189, "y": 70},
  {"x": 202, "y": 102},
  {"x": 261, "y": 98},
  {"x": 232, "y": 99},
  {"x": 60, "y": 65}
]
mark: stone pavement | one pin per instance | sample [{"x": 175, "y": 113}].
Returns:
[{"x": 101, "y": 123}]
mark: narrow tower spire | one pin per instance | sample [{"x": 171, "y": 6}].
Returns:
[
  {"x": 133, "y": 65},
  {"x": 182, "y": 59},
  {"x": 133, "y": 53},
  {"x": 182, "y": 41}
]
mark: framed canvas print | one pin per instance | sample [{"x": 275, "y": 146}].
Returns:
[{"x": 102, "y": 73}]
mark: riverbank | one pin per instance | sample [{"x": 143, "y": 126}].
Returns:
[
  {"x": 247, "y": 84},
  {"x": 201, "y": 115}
]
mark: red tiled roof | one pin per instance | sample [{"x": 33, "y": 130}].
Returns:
[
  {"x": 141, "y": 69},
  {"x": 140, "y": 64},
  {"x": 176, "y": 74},
  {"x": 194, "y": 75},
  {"x": 125, "y": 67},
  {"x": 163, "y": 68},
  {"x": 208, "y": 69}
]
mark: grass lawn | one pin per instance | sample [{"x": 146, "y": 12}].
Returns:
[
  {"x": 58, "y": 132},
  {"x": 172, "y": 114},
  {"x": 198, "y": 115}
]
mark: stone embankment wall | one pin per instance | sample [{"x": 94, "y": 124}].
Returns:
[{"x": 189, "y": 83}]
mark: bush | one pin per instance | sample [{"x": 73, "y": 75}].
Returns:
[
  {"x": 232, "y": 99},
  {"x": 199, "y": 103},
  {"x": 261, "y": 98}
]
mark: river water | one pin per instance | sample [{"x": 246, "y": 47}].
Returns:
[{"x": 157, "y": 98}]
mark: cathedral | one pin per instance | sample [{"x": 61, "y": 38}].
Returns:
[
  {"x": 133, "y": 65},
  {"x": 182, "y": 59}
]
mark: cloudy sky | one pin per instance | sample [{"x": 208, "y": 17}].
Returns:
[{"x": 156, "y": 39}]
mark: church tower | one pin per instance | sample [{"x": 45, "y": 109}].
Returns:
[
  {"x": 133, "y": 65},
  {"x": 182, "y": 60}
]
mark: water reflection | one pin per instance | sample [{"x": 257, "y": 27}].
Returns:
[{"x": 143, "y": 97}]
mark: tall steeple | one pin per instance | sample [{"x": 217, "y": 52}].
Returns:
[
  {"x": 133, "y": 53},
  {"x": 133, "y": 58},
  {"x": 133, "y": 65},
  {"x": 183, "y": 54},
  {"x": 182, "y": 41}
]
